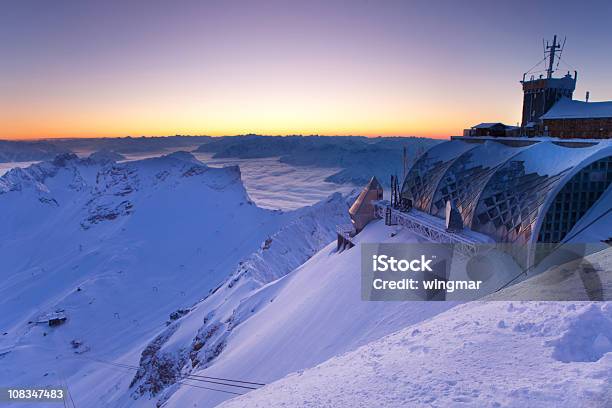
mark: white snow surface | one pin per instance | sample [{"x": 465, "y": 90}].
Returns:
[
  {"x": 548, "y": 158},
  {"x": 119, "y": 247},
  {"x": 491, "y": 153},
  {"x": 263, "y": 297},
  {"x": 567, "y": 108},
  {"x": 481, "y": 354},
  {"x": 304, "y": 318},
  {"x": 581, "y": 278}
]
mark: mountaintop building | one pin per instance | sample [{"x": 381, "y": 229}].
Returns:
[
  {"x": 497, "y": 129},
  {"x": 531, "y": 192},
  {"x": 549, "y": 108},
  {"x": 577, "y": 119},
  {"x": 546, "y": 182}
]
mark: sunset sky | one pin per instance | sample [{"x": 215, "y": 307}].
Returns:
[{"x": 426, "y": 68}]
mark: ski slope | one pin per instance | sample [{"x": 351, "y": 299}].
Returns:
[{"x": 480, "y": 354}]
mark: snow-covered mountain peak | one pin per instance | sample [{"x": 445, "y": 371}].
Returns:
[
  {"x": 62, "y": 160},
  {"x": 121, "y": 249},
  {"x": 182, "y": 156},
  {"x": 100, "y": 175},
  {"x": 105, "y": 155}
]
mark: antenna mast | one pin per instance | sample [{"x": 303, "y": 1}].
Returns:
[{"x": 552, "y": 49}]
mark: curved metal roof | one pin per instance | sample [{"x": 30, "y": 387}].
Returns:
[
  {"x": 500, "y": 190},
  {"x": 465, "y": 179},
  {"x": 423, "y": 177}
]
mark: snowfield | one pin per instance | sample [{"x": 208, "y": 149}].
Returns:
[
  {"x": 481, "y": 354},
  {"x": 303, "y": 319},
  {"x": 121, "y": 250}
]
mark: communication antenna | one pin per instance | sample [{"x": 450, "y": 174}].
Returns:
[
  {"x": 551, "y": 50},
  {"x": 561, "y": 53}
]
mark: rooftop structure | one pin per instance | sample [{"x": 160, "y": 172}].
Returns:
[
  {"x": 548, "y": 107},
  {"x": 492, "y": 129},
  {"x": 577, "y": 119},
  {"x": 541, "y": 93},
  {"x": 513, "y": 192},
  {"x": 572, "y": 109}
]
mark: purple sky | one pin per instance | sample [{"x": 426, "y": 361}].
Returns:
[{"x": 113, "y": 68}]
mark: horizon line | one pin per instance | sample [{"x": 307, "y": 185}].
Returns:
[{"x": 36, "y": 138}]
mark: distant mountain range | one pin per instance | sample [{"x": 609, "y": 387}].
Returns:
[
  {"x": 357, "y": 158},
  {"x": 23, "y": 151}
]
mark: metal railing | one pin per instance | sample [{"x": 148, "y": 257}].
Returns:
[{"x": 432, "y": 231}]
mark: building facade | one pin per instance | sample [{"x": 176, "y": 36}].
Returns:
[
  {"x": 570, "y": 119},
  {"x": 539, "y": 95}
]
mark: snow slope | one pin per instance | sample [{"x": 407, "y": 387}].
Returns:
[
  {"x": 302, "y": 319},
  {"x": 482, "y": 354},
  {"x": 582, "y": 278},
  {"x": 486, "y": 353},
  {"x": 118, "y": 248},
  {"x": 196, "y": 340}
]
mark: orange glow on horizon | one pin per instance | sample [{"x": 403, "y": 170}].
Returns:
[
  {"x": 220, "y": 69},
  {"x": 91, "y": 135},
  {"x": 44, "y": 133},
  {"x": 225, "y": 121},
  {"x": 137, "y": 117}
]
